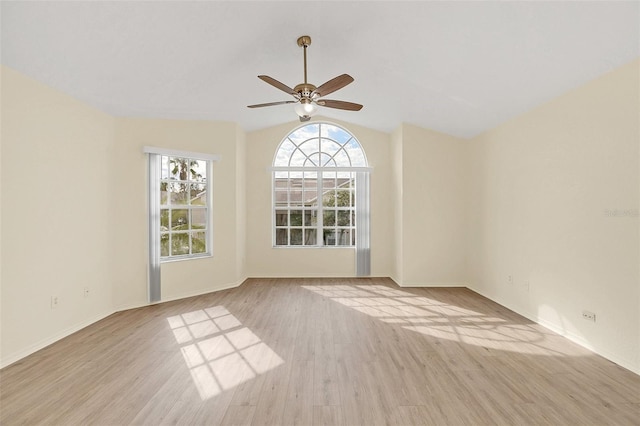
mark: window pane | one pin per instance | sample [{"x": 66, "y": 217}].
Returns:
[
  {"x": 343, "y": 198},
  {"x": 310, "y": 197},
  {"x": 343, "y": 237},
  {"x": 343, "y": 217},
  {"x": 281, "y": 198},
  {"x": 282, "y": 237},
  {"x": 282, "y": 218},
  {"x": 198, "y": 170},
  {"x": 282, "y": 183},
  {"x": 296, "y": 218},
  {"x": 198, "y": 242},
  {"x": 198, "y": 194},
  {"x": 329, "y": 236},
  {"x": 164, "y": 220},
  {"x": 329, "y": 218},
  {"x": 179, "y": 168},
  {"x": 163, "y": 193},
  {"x": 295, "y": 197},
  {"x": 198, "y": 218},
  {"x": 310, "y": 237},
  {"x": 329, "y": 199},
  {"x": 180, "y": 219},
  {"x": 296, "y": 237},
  {"x": 164, "y": 168},
  {"x": 179, "y": 244},
  {"x": 179, "y": 193},
  {"x": 310, "y": 218},
  {"x": 164, "y": 245}
]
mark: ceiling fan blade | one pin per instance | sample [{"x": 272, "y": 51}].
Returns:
[
  {"x": 332, "y": 85},
  {"x": 349, "y": 106},
  {"x": 271, "y": 104},
  {"x": 275, "y": 83}
]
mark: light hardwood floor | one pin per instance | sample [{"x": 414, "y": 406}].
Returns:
[{"x": 319, "y": 352}]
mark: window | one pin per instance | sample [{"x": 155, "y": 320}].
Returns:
[
  {"x": 184, "y": 207},
  {"x": 314, "y": 187}
]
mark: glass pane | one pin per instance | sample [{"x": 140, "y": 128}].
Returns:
[
  {"x": 179, "y": 193},
  {"x": 329, "y": 199},
  {"x": 355, "y": 153},
  {"x": 343, "y": 198},
  {"x": 327, "y": 160},
  {"x": 342, "y": 159},
  {"x": 199, "y": 242},
  {"x": 164, "y": 168},
  {"x": 329, "y": 180},
  {"x": 281, "y": 198},
  {"x": 163, "y": 193},
  {"x": 335, "y": 133},
  {"x": 295, "y": 197},
  {"x": 311, "y": 149},
  {"x": 198, "y": 194},
  {"x": 179, "y": 244},
  {"x": 164, "y": 245},
  {"x": 283, "y": 154},
  {"x": 164, "y": 220},
  {"x": 329, "y": 236},
  {"x": 180, "y": 219},
  {"x": 198, "y": 170},
  {"x": 297, "y": 159},
  {"x": 282, "y": 237},
  {"x": 310, "y": 218},
  {"x": 178, "y": 168},
  {"x": 329, "y": 218},
  {"x": 296, "y": 237},
  {"x": 343, "y": 217},
  {"x": 310, "y": 197},
  {"x": 281, "y": 183},
  {"x": 304, "y": 133},
  {"x": 198, "y": 218},
  {"x": 353, "y": 237},
  {"x": 353, "y": 218},
  {"x": 310, "y": 237},
  {"x": 343, "y": 237},
  {"x": 282, "y": 218},
  {"x": 296, "y": 218}
]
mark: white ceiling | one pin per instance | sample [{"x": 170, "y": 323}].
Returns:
[{"x": 456, "y": 67}]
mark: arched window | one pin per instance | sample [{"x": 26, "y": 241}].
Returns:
[{"x": 314, "y": 187}]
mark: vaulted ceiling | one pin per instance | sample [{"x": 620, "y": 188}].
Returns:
[{"x": 457, "y": 67}]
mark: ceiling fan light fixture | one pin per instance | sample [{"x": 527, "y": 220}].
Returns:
[{"x": 305, "y": 108}]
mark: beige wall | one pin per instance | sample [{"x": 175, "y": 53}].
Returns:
[
  {"x": 56, "y": 177},
  {"x": 397, "y": 198},
  {"x": 542, "y": 189},
  {"x": 265, "y": 261},
  {"x": 528, "y": 199},
  {"x": 430, "y": 177},
  {"x": 181, "y": 278}
]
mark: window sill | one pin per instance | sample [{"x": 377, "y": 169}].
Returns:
[{"x": 183, "y": 258}]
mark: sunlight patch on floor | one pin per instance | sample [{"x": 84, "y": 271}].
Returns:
[
  {"x": 220, "y": 352},
  {"x": 442, "y": 320}
]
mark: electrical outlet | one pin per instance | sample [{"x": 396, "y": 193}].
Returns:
[
  {"x": 589, "y": 316},
  {"x": 86, "y": 292},
  {"x": 54, "y": 302}
]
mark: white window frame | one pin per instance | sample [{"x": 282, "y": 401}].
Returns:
[
  {"x": 207, "y": 207},
  {"x": 320, "y": 170},
  {"x": 153, "y": 208}
]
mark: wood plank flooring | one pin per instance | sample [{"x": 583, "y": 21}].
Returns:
[{"x": 318, "y": 352}]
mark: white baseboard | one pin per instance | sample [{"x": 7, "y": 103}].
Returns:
[
  {"x": 556, "y": 328},
  {"x": 17, "y": 356}
]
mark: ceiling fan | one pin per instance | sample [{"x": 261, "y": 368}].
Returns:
[{"x": 306, "y": 95}]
